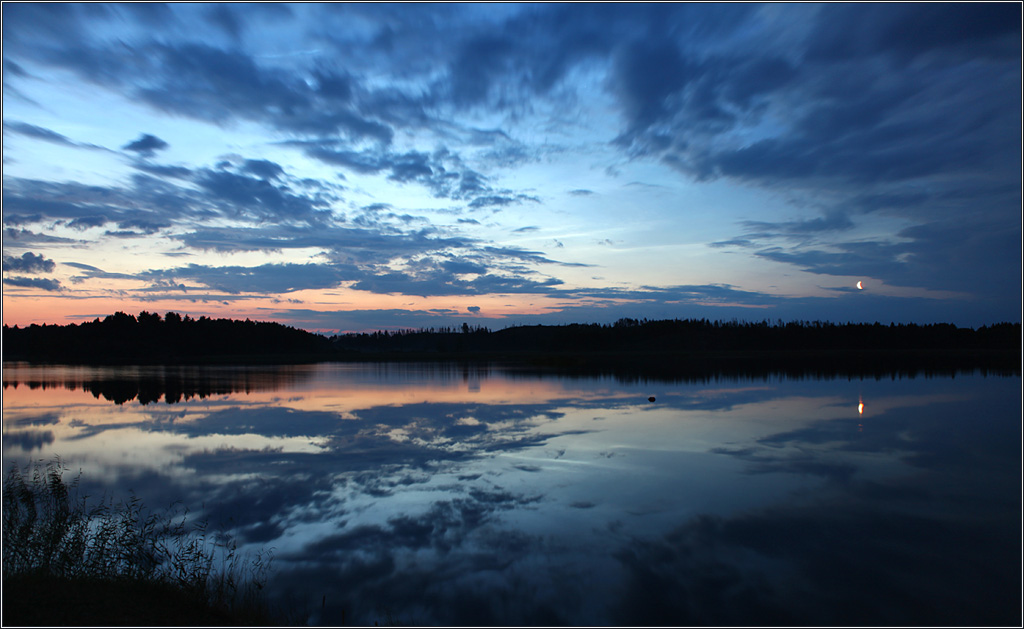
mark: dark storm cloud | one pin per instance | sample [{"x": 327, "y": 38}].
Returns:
[
  {"x": 34, "y": 282},
  {"x": 147, "y": 145},
  {"x": 28, "y": 263}
]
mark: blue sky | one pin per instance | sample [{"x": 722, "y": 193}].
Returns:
[{"x": 348, "y": 167}]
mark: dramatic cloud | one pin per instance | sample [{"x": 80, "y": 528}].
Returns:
[
  {"x": 422, "y": 149},
  {"x": 28, "y": 263}
]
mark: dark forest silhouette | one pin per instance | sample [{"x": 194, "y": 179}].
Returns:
[
  {"x": 632, "y": 335},
  {"x": 151, "y": 339},
  {"x": 681, "y": 345},
  {"x": 696, "y": 349}
]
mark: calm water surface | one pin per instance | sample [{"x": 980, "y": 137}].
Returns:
[{"x": 444, "y": 494}]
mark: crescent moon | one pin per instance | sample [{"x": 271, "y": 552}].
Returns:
[{"x": 860, "y": 285}]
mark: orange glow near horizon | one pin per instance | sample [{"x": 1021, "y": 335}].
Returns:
[{"x": 23, "y": 308}]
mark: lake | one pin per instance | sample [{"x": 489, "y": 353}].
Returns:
[{"x": 481, "y": 494}]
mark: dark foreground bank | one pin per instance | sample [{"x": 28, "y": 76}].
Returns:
[
  {"x": 65, "y": 602},
  {"x": 70, "y": 563}
]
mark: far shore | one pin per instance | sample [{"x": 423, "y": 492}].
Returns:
[{"x": 657, "y": 347}]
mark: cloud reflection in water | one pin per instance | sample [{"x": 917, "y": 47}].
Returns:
[{"x": 456, "y": 496}]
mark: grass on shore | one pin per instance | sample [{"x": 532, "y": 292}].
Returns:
[{"x": 117, "y": 564}]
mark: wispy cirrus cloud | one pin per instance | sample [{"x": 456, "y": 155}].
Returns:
[{"x": 46, "y": 135}]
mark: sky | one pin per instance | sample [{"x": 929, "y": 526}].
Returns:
[{"x": 350, "y": 167}]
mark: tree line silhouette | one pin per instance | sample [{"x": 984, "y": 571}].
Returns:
[
  {"x": 173, "y": 338},
  {"x": 691, "y": 335},
  {"x": 152, "y": 339}
]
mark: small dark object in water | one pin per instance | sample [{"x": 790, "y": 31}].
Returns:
[{"x": 650, "y": 399}]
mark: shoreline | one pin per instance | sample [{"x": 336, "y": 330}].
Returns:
[{"x": 671, "y": 360}]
